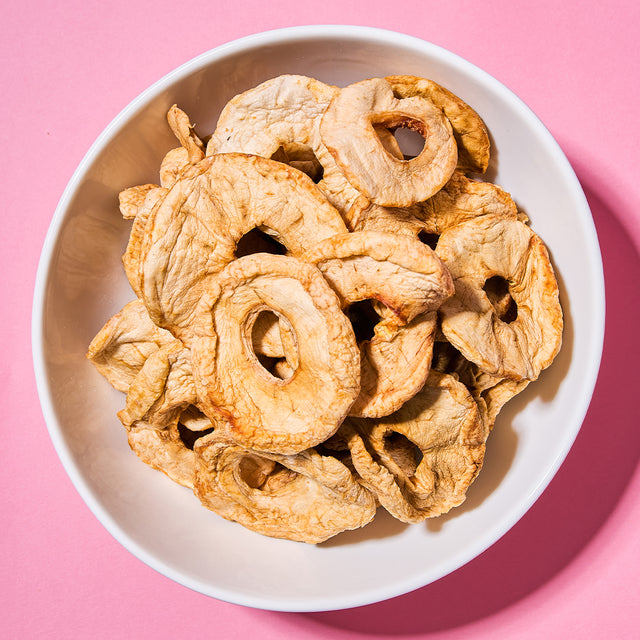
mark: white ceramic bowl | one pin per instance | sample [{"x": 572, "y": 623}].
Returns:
[{"x": 81, "y": 284}]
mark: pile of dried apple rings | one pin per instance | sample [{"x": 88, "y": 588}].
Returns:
[{"x": 322, "y": 324}]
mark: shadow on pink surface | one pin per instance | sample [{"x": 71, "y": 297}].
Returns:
[{"x": 575, "y": 505}]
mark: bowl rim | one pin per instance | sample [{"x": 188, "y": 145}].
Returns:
[{"x": 275, "y": 37}]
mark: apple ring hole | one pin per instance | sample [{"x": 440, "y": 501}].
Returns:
[
  {"x": 364, "y": 319},
  {"x": 262, "y": 474},
  {"x": 301, "y": 157},
  {"x": 405, "y": 454},
  {"x": 278, "y": 367},
  {"x": 409, "y": 136},
  {"x": 430, "y": 239},
  {"x": 259, "y": 241},
  {"x": 189, "y": 437},
  {"x": 497, "y": 290},
  {"x": 410, "y": 142}
]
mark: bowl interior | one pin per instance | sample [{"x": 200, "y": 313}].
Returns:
[{"x": 81, "y": 283}]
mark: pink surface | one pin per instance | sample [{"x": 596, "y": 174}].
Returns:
[{"x": 570, "y": 565}]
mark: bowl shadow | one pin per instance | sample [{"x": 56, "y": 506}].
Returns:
[{"x": 576, "y": 516}]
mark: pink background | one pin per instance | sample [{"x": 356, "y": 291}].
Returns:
[{"x": 570, "y": 566}]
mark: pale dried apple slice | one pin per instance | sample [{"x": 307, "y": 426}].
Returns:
[
  {"x": 190, "y": 152},
  {"x": 183, "y": 130},
  {"x": 348, "y": 129},
  {"x": 490, "y": 246},
  {"x": 120, "y": 349},
  {"x": 193, "y": 233},
  {"x": 305, "y": 497},
  {"x": 262, "y": 411},
  {"x": 409, "y": 282},
  {"x": 468, "y": 128},
  {"x": 277, "y": 119},
  {"x": 421, "y": 460}
]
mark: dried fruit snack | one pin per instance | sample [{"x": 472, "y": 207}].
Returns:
[{"x": 247, "y": 373}]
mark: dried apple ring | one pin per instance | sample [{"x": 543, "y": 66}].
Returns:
[
  {"x": 152, "y": 368},
  {"x": 305, "y": 497},
  {"x": 408, "y": 279},
  {"x": 421, "y": 460},
  {"x": 459, "y": 200},
  {"x": 161, "y": 414},
  {"x": 279, "y": 118},
  {"x": 463, "y": 199},
  {"x": 348, "y": 130},
  {"x": 120, "y": 349},
  {"x": 259, "y": 410},
  {"x": 170, "y": 448},
  {"x": 194, "y": 231},
  {"x": 468, "y": 128},
  {"x": 491, "y": 246},
  {"x": 400, "y": 272}
]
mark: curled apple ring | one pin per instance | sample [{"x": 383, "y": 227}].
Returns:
[
  {"x": 348, "y": 129},
  {"x": 307, "y": 497},
  {"x": 123, "y": 345},
  {"x": 469, "y": 130},
  {"x": 169, "y": 448},
  {"x": 461, "y": 199},
  {"x": 494, "y": 246},
  {"x": 193, "y": 232},
  {"x": 421, "y": 460},
  {"x": 490, "y": 392},
  {"x": 280, "y": 119},
  {"x": 258, "y": 409},
  {"x": 408, "y": 282}
]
